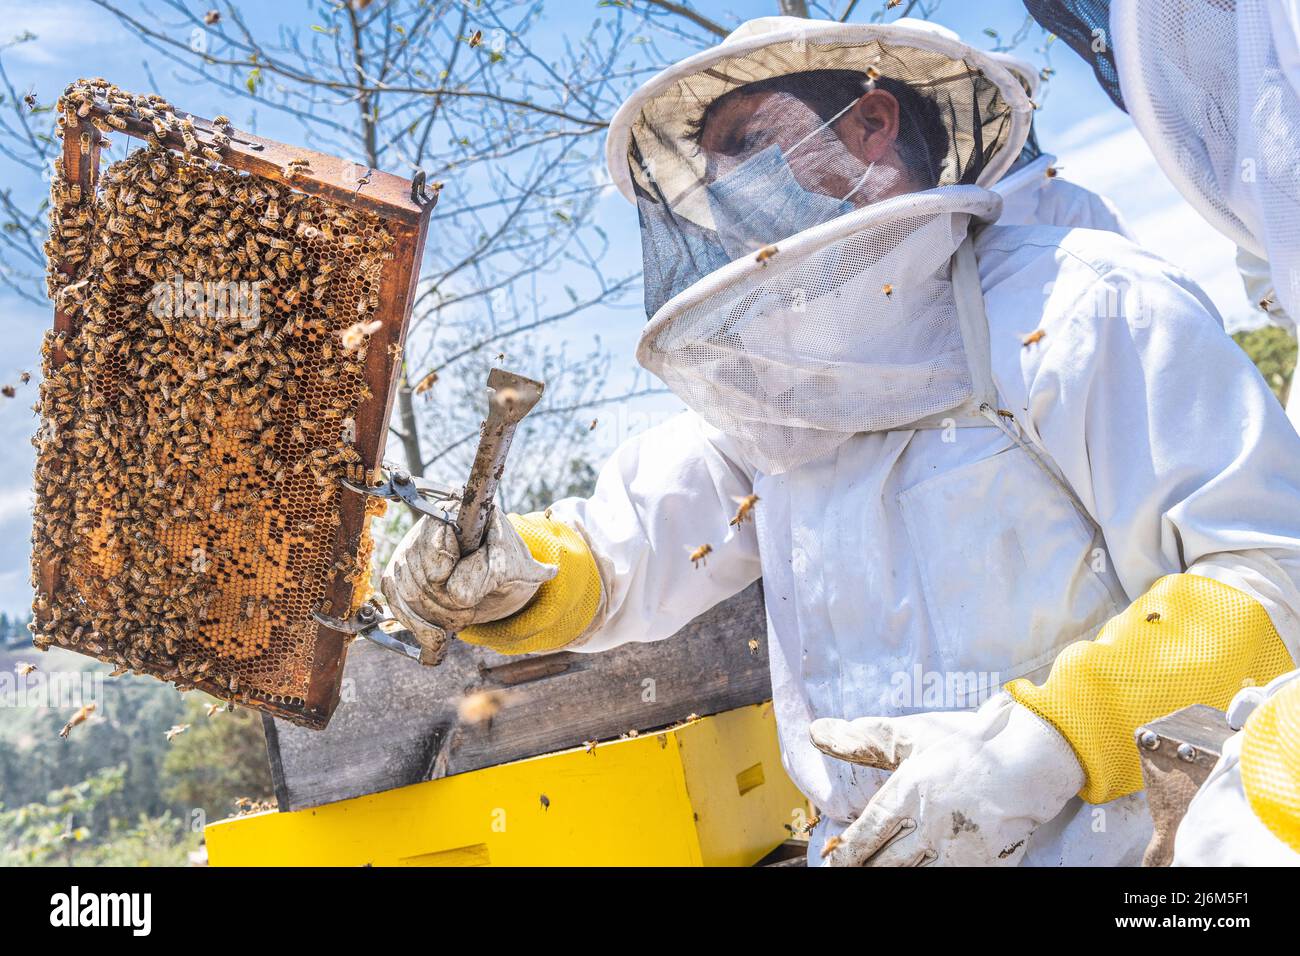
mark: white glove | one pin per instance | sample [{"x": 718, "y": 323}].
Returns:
[
  {"x": 432, "y": 590},
  {"x": 968, "y": 787}
]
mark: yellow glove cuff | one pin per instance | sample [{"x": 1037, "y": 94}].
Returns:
[
  {"x": 1270, "y": 764},
  {"x": 562, "y": 609},
  {"x": 1189, "y": 640}
]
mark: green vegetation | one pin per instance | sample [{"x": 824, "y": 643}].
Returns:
[
  {"x": 116, "y": 792},
  {"x": 1273, "y": 351}
]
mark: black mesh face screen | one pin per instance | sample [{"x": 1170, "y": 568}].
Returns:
[{"x": 1085, "y": 26}]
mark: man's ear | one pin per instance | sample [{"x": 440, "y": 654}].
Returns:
[{"x": 870, "y": 127}]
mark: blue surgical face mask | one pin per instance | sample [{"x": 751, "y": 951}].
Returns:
[{"x": 760, "y": 202}]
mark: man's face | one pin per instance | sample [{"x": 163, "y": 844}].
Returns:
[{"x": 830, "y": 160}]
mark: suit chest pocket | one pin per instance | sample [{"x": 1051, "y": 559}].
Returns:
[{"x": 1011, "y": 572}]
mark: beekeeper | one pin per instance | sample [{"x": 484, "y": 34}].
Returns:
[{"x": 979, "y": 453}]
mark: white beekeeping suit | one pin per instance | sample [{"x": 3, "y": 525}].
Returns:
[
  {"x": 1214, "y": 89},
  {"x": 966, "y": 450}
]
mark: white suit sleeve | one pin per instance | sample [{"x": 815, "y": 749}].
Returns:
[
  {"x": 663, "y": 494},
  {"x": 1177, "y": 449},
  {"x": 1164, "y": 428}
]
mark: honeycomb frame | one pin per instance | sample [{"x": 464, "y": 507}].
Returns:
[{"x": 211, "y": 155}]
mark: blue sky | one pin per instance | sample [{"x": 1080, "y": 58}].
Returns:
[{"x": 1096, "y": 144}]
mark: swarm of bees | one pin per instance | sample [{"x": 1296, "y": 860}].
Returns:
[{"x": 191, "y": 433}]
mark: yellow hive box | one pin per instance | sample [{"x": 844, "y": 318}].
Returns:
[{"x": 711, "y": 792}]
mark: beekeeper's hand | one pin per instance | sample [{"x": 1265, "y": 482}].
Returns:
[
  {"x": 431, "y": 589},
  {"x": 968, "y": 788}
]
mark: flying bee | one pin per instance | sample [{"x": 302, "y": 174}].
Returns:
[
  {"x": 175, "y": 731},
  {"x": 1035, "y": 336},
  {"x": 764, "y": 255},
  {"x": 80, "y": 717},
  {"x": 354, "y": 336},
  {"x": 23, "y": 668},
  {"x": 700, "y": 554},
  {"x": 481, "y": 706},
  {"x": 1052, "y": 171},
  {"x": 426, "y": 383},
  {"x": 744, "y": 506},
  {"x": 830, "y": 846},
  {"x": 887, "y": 289},
  {"x": 752, "y": 644}
]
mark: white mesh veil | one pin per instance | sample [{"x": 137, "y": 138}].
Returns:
[
  {"x": 807, "y": 93},
  {"x": 1214, "y": 88},
  {"x": 852, "y": 326}
]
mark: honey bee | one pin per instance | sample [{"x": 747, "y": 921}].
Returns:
[
  {"x": 212, "y": 17},
  {"x": 80, "y": 717},
  {"x": 591, "y": 745},
  {"x": 23, "y": 668},
  {"x": 744, "y": 505},
  {"x": 1052, "y": 171},
  {"x": 887, "y": 289},
  {"x": 830, "y": 846},
  {"x": 592, "y": 426},
  {"x": 1153, "y": 617},
  {"x": 753, "y": 646},
  {"x": 764, "y": 255},
  {"x": 476, "y": 38},
  {"x": 354, "y": 336},
  {"x": 481, "y": 706},
  {"x": 698, "y": 555},
  {"x": 1035, "y": 336},
  {"x": 426, "y": 383}
]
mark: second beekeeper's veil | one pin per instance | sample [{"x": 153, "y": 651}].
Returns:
[
  {"x": 803, "y": 191},
  {"x": 1214, "y": 88}
]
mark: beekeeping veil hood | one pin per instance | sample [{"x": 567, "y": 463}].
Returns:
[
  {"x": 1214, "y": 88},
  {"x": 804, "y": 189}
]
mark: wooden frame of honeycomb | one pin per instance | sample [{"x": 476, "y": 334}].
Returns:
[{"x": 189, "y": 515}]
